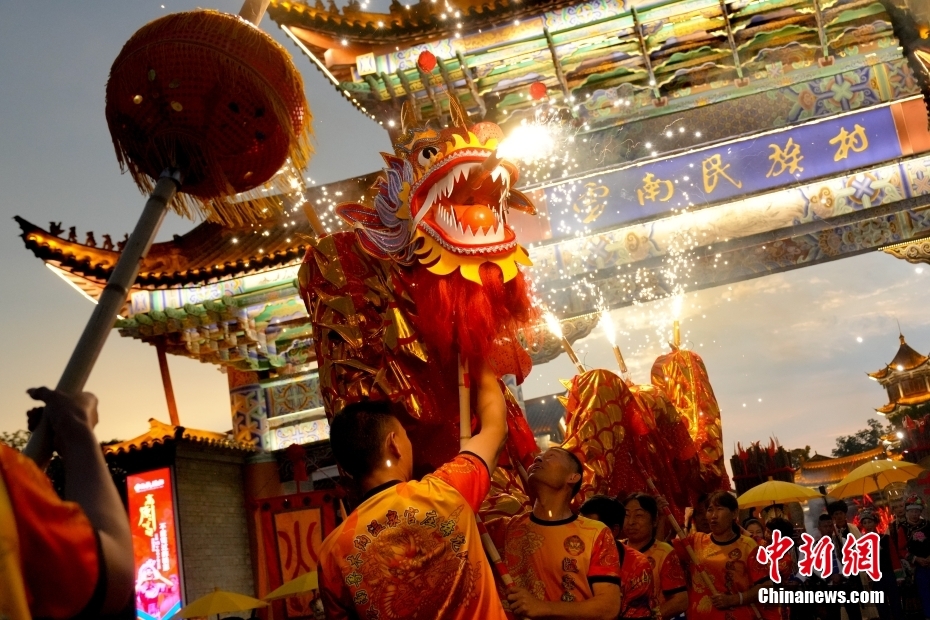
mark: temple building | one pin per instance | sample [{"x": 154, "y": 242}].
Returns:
[
  {"x": 906, "y": 379},
  {"x": 775, "y": 133}
]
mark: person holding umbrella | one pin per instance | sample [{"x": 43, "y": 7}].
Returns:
[{"x": 914, "y": 546}]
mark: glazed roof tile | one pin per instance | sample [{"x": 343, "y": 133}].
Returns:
[
  {"x": 209, "y": 252},
  {"x": 830, "y": 471},
  {"x": 160, "y": 433}
]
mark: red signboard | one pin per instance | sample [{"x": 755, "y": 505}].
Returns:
[{"x": 154, "y": 544}]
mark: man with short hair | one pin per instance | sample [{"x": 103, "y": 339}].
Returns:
[
  {"x": 841, "y": 529},
  {"x": 411, "y": 549},
  {"x": 563, "y": 565},
  {"x": 637, "y": 592},
  {"x": 668, "y": 577}
]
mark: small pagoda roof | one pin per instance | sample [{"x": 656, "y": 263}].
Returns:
[
  {"x": 160, "y": 434},
  {"x": 905, "y": 360},
  {"x": 826, "y": 471}
]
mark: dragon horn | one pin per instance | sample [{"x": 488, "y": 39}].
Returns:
[
  {"x": 457, "y": 112},
  {"x": 408, "y": 117}
]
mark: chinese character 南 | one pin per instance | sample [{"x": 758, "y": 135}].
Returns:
[
  {"x": 855, "y": 141},
  {"x": 773, "y": 553},
  {"x": 392, "y": 518},
  {"x": 591, "y": 203},
  {"x": 652, "y": 189},
  {"x": 785, "y": 160},
  {"x": 816, "y": 556},
  {"x": 147, "y": 516},
  {"x": 861, "y": 556},
  {"x": 712, "y": 169}
]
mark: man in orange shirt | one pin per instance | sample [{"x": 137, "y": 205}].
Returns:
[
  {"x": 563, "y": 565},
  {"x": 668, "y": 581},
  {"x": 63, "y": 559},
  {"x": 636, "y": 589},
  {"x": 411, "y": 549}
]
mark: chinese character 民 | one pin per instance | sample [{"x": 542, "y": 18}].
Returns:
[
  {"x": 773, "y": 553},
  {"x": 591, "y": 203},
  {"x": 855, "y": 141},
  {"x": 816, "y": 556},
  {"x": 787, "y": 159},
  {"x": 861, "y": 556},
  {"x": 652, "y": 188},
  {"x": 147, "y": 516},
  {"x": 712, "y": 169}
]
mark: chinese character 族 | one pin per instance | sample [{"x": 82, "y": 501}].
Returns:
[
  {"x": 712, "y": 169},
  {"x": 846, "y": 141},
  {"x": 654, "y": 189},
  {"x": 861, "y": 556},
  {"x": 785, "y": 160},
  {"x": 816, "y": 556},
  {"x": 774, "y": 552}
]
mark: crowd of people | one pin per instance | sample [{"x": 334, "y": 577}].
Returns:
[{"x": 418, "y": 549}]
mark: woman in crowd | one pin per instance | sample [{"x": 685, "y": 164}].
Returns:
[
  {"x": 755, "y": 529},
  {"x": 914, "y": 546},
  {"x": 728, "y": 558}
]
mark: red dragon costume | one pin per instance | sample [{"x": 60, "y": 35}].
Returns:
[{"x": 430, "y": 275}]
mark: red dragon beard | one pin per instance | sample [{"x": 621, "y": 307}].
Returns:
[{"x": 478, "y": 321}]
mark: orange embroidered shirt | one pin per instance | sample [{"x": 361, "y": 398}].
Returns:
[
  {"x": 412, "y": 550},
  {"x": 557, "y": 560},
  {"x": 668, "y": 577},
  {"x": 732, "y": 567},
  {"x": 58, "y": 547},
  {"x": 638, "y": 594}
]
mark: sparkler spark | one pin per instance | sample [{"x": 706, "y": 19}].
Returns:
[
  {"x": 553, "y": 324},
  {"x": 606, "y": 323},
  {"x": 529, "y": 142}
]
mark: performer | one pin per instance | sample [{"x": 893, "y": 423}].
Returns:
[
  {"x": 914, "y": 546},
  {"x": 63, "y": 559},
  {"x": 564, "y": 565},
  {"x": 841, "y": 529},
  {"x": 668, "y": 581},
  {"x": 411, "y": 549},
  {"x": 729, "y": 559},
  {"x": 637, "y": 593},
  {"x": 890, "y": 565}
]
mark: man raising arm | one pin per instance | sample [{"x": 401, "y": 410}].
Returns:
[
  {"x": 564, "y": 565},
  {"x": 411, "y": 549}
]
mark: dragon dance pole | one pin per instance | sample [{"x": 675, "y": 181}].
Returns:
[
  {"x": 681, "y": 534},
  {"x": 464, "y": 436}
]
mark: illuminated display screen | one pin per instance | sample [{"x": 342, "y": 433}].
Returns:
[{"x": 154, "y": 544}]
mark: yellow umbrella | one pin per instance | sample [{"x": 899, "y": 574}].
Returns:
[
  {"x": 875, "y": 476},
  {"x": 295, "y": 587},
  {"x": 219, "y": 602},
  {"x": 775, "y": 492}
]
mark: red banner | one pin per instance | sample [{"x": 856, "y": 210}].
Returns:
[{"x": 154, "y": 544}]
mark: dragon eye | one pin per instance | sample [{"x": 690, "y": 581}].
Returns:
[{"x": 427, "y": 155}]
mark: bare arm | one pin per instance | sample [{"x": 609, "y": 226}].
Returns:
[
  {"x": 674, "y": 605},
  {"x": 604, "y": 605},
  {"x": 71, "y": 420},
  {"x": 492, "y": 413}
]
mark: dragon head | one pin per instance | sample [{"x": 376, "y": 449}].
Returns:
[{"x": 443, "y": 200}]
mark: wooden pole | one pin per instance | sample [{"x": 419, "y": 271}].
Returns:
[
  {"x": 252, "y": 11},
  {"x": 464, "y": 436},
  {"x": 166, "y": 383},
  {"x": 88, "y": 348},
  {"x": 702, "y": 572}
]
